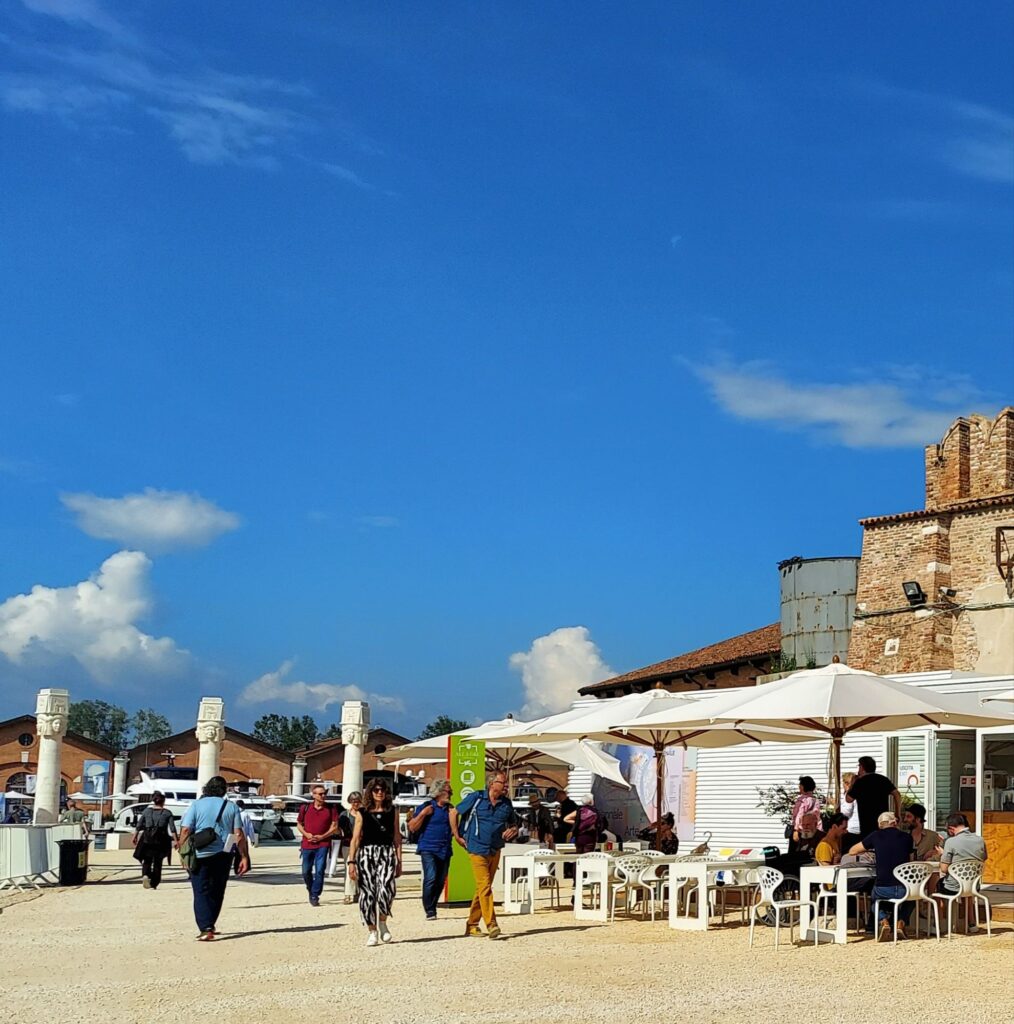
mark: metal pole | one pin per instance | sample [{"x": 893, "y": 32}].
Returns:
[{"x": 659, "y": 787}]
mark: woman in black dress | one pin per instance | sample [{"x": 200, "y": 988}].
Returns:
[{"x": 375, "y": 859}]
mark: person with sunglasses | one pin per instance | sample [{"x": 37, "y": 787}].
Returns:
[{"x": 375, "y": 859}]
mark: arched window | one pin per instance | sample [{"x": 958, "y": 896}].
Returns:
[{"x": 17, "y": 783}]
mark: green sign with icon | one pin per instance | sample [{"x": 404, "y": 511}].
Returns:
[{"x": 466, "y": 768}]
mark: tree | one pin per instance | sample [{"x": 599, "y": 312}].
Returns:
[
  {"x": 290, "y": 734},
  {"x": 332, "y": 732},
  {"x": 104, "y": 723},
  {"x": 441, "y": 725},
  {"x": 148, "y": 726}
]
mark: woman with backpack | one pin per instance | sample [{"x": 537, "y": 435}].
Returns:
[
  {"x": 588, "y": 822},
  {"x": 153, "y": 839}
]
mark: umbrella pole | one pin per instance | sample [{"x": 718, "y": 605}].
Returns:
[
  {"x": 836, "y": 739},
  {"x": 659, "y": 788}
]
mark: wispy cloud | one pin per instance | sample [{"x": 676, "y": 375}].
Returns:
[
  {"x": 903, "y": 407},
  {"x": 153, "y": 520},
  {"x": 213, "y": 117},
  {"x": 275, "y": 686},
  {"x": 970, "y": 138}
]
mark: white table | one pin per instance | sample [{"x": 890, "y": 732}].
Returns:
[
  {"x": 838, "y": 876},
  {"x": 698, "y": 871},
  {"x": 524, "y": 864}
]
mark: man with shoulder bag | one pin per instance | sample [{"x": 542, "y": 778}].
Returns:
[{"x": 211, "y": 829}]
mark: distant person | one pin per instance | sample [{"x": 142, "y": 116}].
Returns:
[
  {"x": 806, "y": 803},
  {"x": 375, "y": 859},
  {"x": 562, "y": 831},
  {"x": 489, "y": 822},
  {"x": 588, "y": 823},
  {"x": 317, "y": 823},
  {"x": 829, "y": 849},
  {"x": 961, "y": 844},
  {"x": 850, "y": 808},
  {"x": 347, "y": 823},
  {"x": 215, "y": 817},
  {"x": 891, "y": 847},
  {"x": 73, "y": 815},
  {"x": 539, "y": 820},
  {"x": 875, "y": 794},
  {"x": 153, "y": 839},
  {"x": 431, "y": 828},
  {"x": 924, "y": 840}
]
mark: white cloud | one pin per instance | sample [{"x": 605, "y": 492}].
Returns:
[
  {"x": 349, "y": 177},
  {"x": 92, "y": 623},
  {"x": 274, "y": 686},
  {"x": 900, "y": 410},
  {"x": 153, "y": 521},
  {"x": 81, "y": 12},
  {"x": 555, "y": 667}
]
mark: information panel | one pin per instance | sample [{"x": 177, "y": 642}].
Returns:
[{"x": 466, "y": 763}]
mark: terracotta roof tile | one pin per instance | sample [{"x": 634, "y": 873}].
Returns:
[
  {"x": 758, "y": 643},
  {"x": 971, "y": 505}
]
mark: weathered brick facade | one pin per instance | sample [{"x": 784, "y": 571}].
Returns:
[{"x": 949, "y": 545}]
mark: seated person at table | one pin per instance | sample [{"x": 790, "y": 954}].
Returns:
[
  {"x": 924, "y": 840},
  {"x": 662, "y": 835},
  {"x": 829, "y": 849},
  {"x": 892, "y": 847},
  {"x": 961, "y": 844},
  {"x": 809, "y": 836}
]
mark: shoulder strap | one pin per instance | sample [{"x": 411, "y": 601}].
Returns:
[{"x": 221, "y": 811}]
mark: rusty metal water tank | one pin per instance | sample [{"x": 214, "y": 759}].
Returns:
[{"x": 818, "y": 601}]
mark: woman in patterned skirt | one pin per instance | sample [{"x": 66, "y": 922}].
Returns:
[{"x": 375, "y": 859}]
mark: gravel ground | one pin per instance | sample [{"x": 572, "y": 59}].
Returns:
[{"x": 114, "y": 951}]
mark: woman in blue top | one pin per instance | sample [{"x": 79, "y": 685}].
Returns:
[{"x": 431, "y": 828}]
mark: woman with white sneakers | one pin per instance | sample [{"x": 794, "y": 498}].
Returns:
[{"x": 375, "y": 859}]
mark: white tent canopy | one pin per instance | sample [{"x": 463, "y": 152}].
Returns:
[
  {"x": 1005, "y": 695},
  {"x": 511, "y": 754},
  {"x": 835, "y": 700}
]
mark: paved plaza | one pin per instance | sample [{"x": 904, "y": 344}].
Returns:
[{"x": 112, "y": 951}]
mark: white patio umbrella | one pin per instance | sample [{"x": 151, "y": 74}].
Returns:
[
  {"x": 1005, "y": 695},
  {"x": 835, "y": 700},
  {"x": 513, "y": 752},
  {"x": 12, "y": 794}
]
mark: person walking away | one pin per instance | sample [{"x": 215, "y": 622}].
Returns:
[
  {"x": 153, "y": 838},
  {"x": 73, "y": 815},
  {"x": 489, "y": 823},
  {"x": 806, "y": 803},
  {"x": 874, "y": 793},
  {"x": 587, "y": 824},
  {"x": 431, "y": 827},
  {"x": 375, "y": 859},
  {"x": 316, "y": 822},
  {"x": 540, "y": 822},
  {"x": 213, "y": 819},
  {"x": 891, "y": 847}
]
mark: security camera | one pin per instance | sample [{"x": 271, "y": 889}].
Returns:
[{"x": 948, "y": 592}]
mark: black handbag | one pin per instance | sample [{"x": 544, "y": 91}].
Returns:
[{"x": 206, "y": 836}]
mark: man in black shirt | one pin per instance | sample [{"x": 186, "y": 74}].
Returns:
[
  {"x": 874, "y": 793},
  {"x": 891, "y": 847},
  {"x": 567, "y": 806}
]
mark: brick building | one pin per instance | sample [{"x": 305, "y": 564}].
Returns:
[
  {"x": 957, "y": 549},
  {"x": 19, "y": 753},
  {"x": 325, "y": 759},
  {"x": 242, "y": 758},
  {"x": 737, "y": 661}
]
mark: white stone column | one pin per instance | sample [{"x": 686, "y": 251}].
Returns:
[
  {"x": 51, "y": 710},
  {"x": 119, "y": 781},
  {"x": 298, "y": 776},
  {"x": 210, "y": 733},
  {"x": 355, "y": 728}
]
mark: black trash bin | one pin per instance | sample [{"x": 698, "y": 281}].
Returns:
[{"x": 73, "y": 861}]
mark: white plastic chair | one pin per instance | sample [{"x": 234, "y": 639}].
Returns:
[
  {"x": 650, "y": 875},
  {"x": 968, "y": 875},
  {"x": 593, "y": 884},
  {"x": 913, "y": 876},
  {"x": 745, "y": 884},
  {"x": 628, "y": 881},
  {"x": 769, "y": 878},
  {"x": 541, "y": 870}
]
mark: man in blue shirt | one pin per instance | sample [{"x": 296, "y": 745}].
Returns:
[
  {"x": 431, "y": 828},
  {"x": 489, "y": 822},
  {"x": 892, "y": 848},
  {"x": 211, "y": 874}
]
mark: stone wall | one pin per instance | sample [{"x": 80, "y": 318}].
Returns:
[{"x": 975, "y": 459}]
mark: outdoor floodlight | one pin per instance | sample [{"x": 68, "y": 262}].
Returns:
[{"x": 914, "y": 593}]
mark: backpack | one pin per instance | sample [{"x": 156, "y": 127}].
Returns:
[
  {"x": 153, "y": 834},
  {"x": 414, "y": 835},
  {"x": 587, "y": 824}
]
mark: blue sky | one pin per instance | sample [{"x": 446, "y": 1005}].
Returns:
[{"x": 460, "y": 355}]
